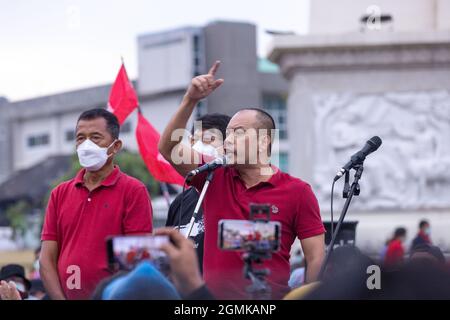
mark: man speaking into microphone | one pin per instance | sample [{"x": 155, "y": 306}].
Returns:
[{"x": 244, "y": 180}]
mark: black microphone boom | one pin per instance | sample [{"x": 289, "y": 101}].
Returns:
[
  {"x": 213, "y": 165},
  {"x": 371, "y": 145}
]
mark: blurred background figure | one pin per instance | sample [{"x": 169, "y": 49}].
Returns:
[
  {"x": 34, "y": 273},
  {"x": 14, "y": 273},
  {"x": 345, "y": 259},
  {"x": 423, "y": 236},
  {"x": 430, "y": 252},
  {"x": 416, "y": 279},
  {"x": 395, "y": 251},
  {"x": 345, "y": 276},
  {"x": 37, "y": 290},
  {"x": 384, "y": 250},
  {"x": 297, "y": 277}
]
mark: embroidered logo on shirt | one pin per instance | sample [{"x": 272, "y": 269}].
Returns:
[{"x": 274, "y": 209}]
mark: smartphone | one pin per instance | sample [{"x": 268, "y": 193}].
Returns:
[
  {"x": 243, "y": 235},
  {"x": 125, "y": 252}
]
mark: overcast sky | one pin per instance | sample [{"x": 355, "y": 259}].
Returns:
[{"x": 49, "y": 46}]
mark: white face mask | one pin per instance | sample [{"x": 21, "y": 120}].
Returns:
[
  {"x": 91, "y": 156},
  {"x": 206, "y": 149},
  {"x": 20, "y": 287}
]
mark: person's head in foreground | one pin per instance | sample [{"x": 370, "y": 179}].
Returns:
[
  {"x": 429, "y": 252},
  {"x": 144, "y": 282},
  {"x": 419, "y": 278}
]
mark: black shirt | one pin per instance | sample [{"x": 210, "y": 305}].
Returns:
[{"x": 190, "y": 198}]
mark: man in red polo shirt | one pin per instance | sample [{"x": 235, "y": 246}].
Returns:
[
  {"x": 234, "y": 187},
  {"x": 99, "y": 202}
]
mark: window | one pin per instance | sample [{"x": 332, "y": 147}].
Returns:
[
  {"x": 284, "y": 161},
  {"x": 126, "y": 127},
  {"x": 281, "y": 160},
  {"x": 196, "y": 41},
  {"x": 38, "y": 140},
  {"x": 198, "y": 55},
  {"x": 70, "y": 135},
  {"x": 275, "y": 104},
  {"x": 200, "y": 109}
]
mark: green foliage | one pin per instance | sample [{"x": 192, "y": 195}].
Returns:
[
  {"x": 133, "y": 165},
  {"x": 16, "y": 216}
]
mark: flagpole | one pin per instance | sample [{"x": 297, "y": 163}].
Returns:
[
  {"x": 165, "y": 191},
  {"x": 164, "y": 188}
]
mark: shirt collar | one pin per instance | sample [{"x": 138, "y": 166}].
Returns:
[
  {"x": 274, "y": 179},
  {"x": 110, "y": 180}
]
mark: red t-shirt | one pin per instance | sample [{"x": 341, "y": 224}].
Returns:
[
  {"x": 293, "y": 204},
  {"x": 80, "y": 221},
  {"x": 394, "y": 254}
]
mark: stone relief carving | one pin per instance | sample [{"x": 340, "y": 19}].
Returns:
[{"x": 411, "y": 170}]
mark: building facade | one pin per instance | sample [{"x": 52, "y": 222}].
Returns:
[
  {"x": 33, "y": 130},
  {"x": 354, "y": 77}
]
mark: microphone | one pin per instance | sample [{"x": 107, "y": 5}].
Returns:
[
  {"x": 371, "y": 145},
  {"x": 212, "y": 165}
]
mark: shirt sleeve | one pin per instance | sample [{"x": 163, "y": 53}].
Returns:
[
  {"x": 138, "y": 212},
  {"x": 49, "y": 229},
  {"x": 173, "y": 210},
  {"x": 308, "y": 220}
]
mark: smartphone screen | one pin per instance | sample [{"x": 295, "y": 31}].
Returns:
[
  {"x": 125, "y": 252},
  {"x": 240, "y": 235}
]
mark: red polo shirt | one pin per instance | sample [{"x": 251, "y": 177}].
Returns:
[
  {"x": 80, "y": 221},
  {"x": 293, "y": 204}
]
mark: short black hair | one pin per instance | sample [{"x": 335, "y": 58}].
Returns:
[
  {"x": 400, "y": 232},
  {"x": 214, "y": 121},
  {"x": 266, "y": 120},
  {"x": 264, "y": 117},
  {"x": 112, "y": 123},
  {"x": 423, "y": 223}
]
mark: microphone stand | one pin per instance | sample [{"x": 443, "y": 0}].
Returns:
[
  {"x": 348, "y": 194},
  {"x": 209, "y": 177}
]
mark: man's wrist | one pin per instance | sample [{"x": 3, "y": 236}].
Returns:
[
  {"x": 191, "y": 286},
  {"x": 189, "y": 101}
]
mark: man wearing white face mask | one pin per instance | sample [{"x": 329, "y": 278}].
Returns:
[
  {"x": 207, "y": 139},
  {"x": 100, "y": 201}
]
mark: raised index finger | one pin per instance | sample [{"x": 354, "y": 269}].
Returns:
[{"x": 214, "y": 68}]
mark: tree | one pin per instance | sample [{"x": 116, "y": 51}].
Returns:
[
  {"x": 16, "y": 216},
  {"x": 133, "y": 165}
]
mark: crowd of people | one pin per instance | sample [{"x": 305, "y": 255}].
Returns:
[
  {"x": 102, "y": 201},
  {"x": 424, "y": 273}
]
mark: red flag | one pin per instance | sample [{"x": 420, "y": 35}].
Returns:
[
  {"x": 148, "y": 138},
  {"x": 122, "y": 99}
]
